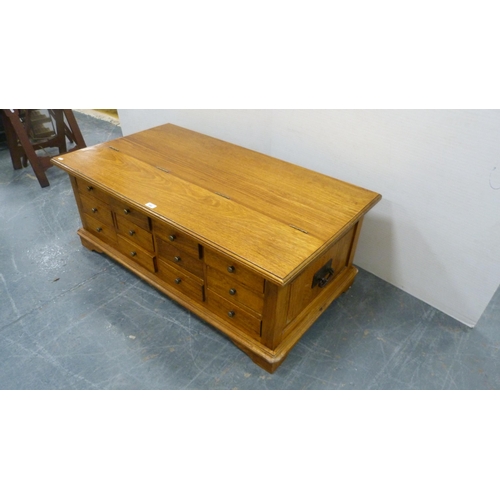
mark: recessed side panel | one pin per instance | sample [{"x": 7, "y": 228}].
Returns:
[{"x": 319, "y": 277}]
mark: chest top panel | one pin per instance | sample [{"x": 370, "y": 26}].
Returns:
[{"x": 271, "y": 215}]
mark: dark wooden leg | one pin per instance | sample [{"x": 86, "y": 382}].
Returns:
[
  {"x": 22, "y": 135},
  {"x": 16, "y": 133},
  {"x": 75, "y": 129},
  {"x": 60, "y": 132},
  {"x": 16, "y": 152}
]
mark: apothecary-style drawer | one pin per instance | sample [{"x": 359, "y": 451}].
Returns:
[
  {"x": 134, "y": 233},
  {"x": 136, "y": 253},
  {"x": 99, "y": 229},
  {"x": 228, "y": 267},
  {"x": 183, "y": 282},
  {"x": 89, "y": 189},
  {"x": 233, "y": 314},
  {"x": 97, "y": 209},
  {"x": 132, "y": 214},
  {"x": 179, "y": 257},
  {"x": 233, "y": 290},
  {"x": 177, "y": 238}
]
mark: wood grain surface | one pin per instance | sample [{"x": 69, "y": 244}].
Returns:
[{"x": 270, "y": 215}]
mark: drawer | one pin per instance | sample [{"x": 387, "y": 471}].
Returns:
[
  {"x": 89, "y": 189},
  {"x": 236, "y": 271},
  {"x": 132, "y": 214},
  {"x": 137, "y": 254},
  {"x": 233, "y": 291},
  {"x": 177, "y": 238},
  {"x": 99, "y": 229},
  {"x": 97, "y": 209},
  {"x": 134, "y": 233},
  {"x": 178, "y": 257},
  {"x": 233, "y": 314},
  {"x": 183, "y": 282}
]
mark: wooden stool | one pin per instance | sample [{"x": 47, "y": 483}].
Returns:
[{"x": 26, "y": 133}]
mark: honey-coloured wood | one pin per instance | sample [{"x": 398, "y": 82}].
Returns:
[
  {"x": 97, "y": 209},
  {"x": 177, "y": 238},
  {"x": 179, "y": 256},
  {"x": 303, "y": 291},
  {"x": 89, "y": 189},
  {"x": 101, "y": 230},
  {"x": 230, "y": 268},
  {"x": 256, "y": 246},
  {"x": 227, "y": 286},
  {"x": 127, "y": 211},
  {"x": 136, "y": 234},
  {"x": 234, "y": 314},
  {"x": 185, "y": 283},
  {"x": 133, "y": 251}
]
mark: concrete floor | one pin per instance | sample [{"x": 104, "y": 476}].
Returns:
[{"x": 74, "y": 319}]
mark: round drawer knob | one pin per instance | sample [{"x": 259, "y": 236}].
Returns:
[
  {"x": 133, "y": 254},
  {"x": 177, "y": 258},
  {"x": 172, "y": 237},
  {"x": 99, "y": 229},
  {"x": 230, "y": 269},
  {"x": 131, "y": 232},
  {"x": 178, "y": 280},
  {"x": 89, "y": 188},
  {"x": 231, "y": 314},
  {"x": 232, "y": 291},
  {"x": 94, "y": 210},
  {"x": 126, "y": 211}
]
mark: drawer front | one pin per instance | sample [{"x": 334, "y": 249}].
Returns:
[
  {"x": 99, "y": 229},
  {"x": 97, "y": 209},
  {"x": 132, "y": 214},
  {"x": 88, "y": 189},
  {"x": 177, "y": 238},
  {"x": 135, "y": 253},
  {"x": 234, "y": 270},
  {"x": 181, "y": 281},
  {"x": 178, "y": 257},
  {"x": 233, "y": 314},
  {"x": 233, "y": 291},
  {"x": 134, "y": 233}
]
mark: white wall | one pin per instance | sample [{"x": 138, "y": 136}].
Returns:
[{"x": 436, "y": 233}]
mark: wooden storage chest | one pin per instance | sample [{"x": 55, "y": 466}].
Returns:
[{"x": 256, "y": 246}]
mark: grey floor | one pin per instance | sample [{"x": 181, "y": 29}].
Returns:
[{"x": 73, "y": 319}]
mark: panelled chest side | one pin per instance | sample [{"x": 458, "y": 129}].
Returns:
[{"x": 255, "y": 246}]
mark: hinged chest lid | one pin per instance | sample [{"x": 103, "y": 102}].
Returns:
[{"x": 269, "y": 214}]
